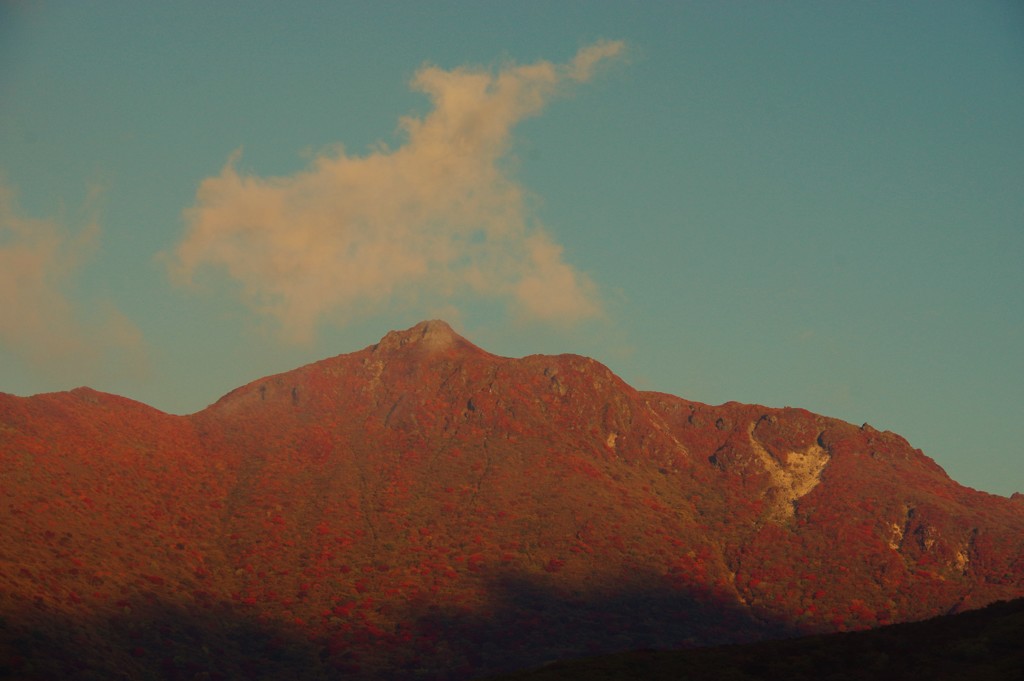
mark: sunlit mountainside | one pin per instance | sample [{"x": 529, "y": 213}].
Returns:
[{"x": 424, "y": 509}]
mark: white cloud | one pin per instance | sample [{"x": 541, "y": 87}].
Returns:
[
  {"x": 435, "y": 221},
  {"x": 58, "y": 337}
]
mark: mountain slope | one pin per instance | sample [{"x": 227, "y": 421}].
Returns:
[{"x": 424, "y": 508}]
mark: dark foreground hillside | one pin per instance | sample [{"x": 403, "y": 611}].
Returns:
[{"x": 981, "y": 645}]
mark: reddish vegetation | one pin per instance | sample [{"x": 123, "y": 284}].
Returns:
[{"x": 424, "y": 508}]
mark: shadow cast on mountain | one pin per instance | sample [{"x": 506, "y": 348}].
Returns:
[
  {"x": 980, "y": 645},
  {"x": 159, "y": 640},
  {"x": 528, "y": 622},
  {"x": 520, "y": 622}
]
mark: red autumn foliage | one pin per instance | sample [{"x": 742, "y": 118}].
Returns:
[{"x": 422, "y": 507}]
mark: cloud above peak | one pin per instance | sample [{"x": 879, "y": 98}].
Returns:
[{"x": 436, "y": 221}]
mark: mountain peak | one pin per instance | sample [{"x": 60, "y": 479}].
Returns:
[{"x": 432, "y": 336}]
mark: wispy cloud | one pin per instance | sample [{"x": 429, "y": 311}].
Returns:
[
  {"x": 61, "y": 338},
  {"x": 433, "y": 222}
]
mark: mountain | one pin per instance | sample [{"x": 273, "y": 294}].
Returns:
[{"x": 424, "y": 509}]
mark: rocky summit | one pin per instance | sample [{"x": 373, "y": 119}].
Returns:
[{"x": 422, "y": 508}]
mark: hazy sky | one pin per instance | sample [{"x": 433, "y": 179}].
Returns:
[{"x": 788, "y": 203}]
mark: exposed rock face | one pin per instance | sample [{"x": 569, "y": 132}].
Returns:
[
  {"x": 430, "y": 336},
  {"x": 793, "y": 474},
  {"x": 422, "y": 507}
]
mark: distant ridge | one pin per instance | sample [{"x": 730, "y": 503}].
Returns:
[{"x": 422, "y": 508}]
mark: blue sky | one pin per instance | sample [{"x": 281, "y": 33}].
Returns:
[{"x": 790, "y": 203}]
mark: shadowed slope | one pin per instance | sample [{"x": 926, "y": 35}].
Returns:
[{"x": 981, "y": 645}]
